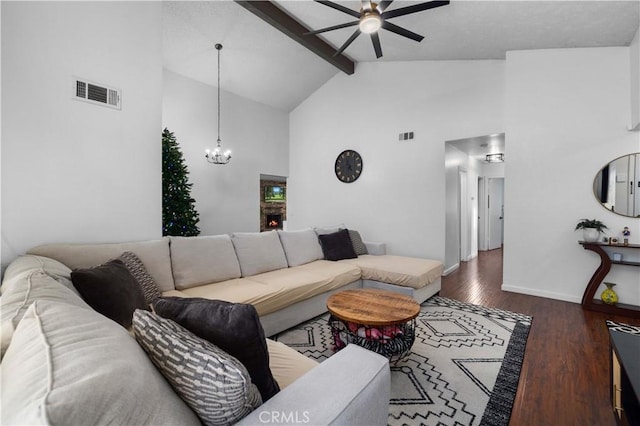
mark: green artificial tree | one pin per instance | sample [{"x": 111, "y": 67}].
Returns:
[{"x": 179, "y": 215}]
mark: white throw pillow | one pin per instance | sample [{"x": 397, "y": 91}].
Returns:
[
  {"x": 300, "y": 247},
  {"x": 259, "y": 252}
]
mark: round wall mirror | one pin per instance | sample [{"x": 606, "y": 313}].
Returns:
[{"x": 617, "y": 185}]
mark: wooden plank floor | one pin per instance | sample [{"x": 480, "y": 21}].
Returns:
[{"x": 565, "y": 374}]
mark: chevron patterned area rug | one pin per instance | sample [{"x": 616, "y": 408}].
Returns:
[{"x": 463, "y": 368}]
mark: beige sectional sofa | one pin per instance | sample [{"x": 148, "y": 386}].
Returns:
[{"x": 282, "y": 273}]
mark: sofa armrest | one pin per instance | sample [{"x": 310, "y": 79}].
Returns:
[
  {"x": 350, "y": 388},
  {"x": 376, "y": 248}
]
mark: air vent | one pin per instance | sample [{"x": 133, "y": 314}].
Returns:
[{"x": 96, "y": 93}]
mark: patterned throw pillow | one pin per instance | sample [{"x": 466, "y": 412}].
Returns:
[
  {"x": 139, "y": 272},
  {"x": 214, "y": 384},
  {"x": 358, "y": 245}
]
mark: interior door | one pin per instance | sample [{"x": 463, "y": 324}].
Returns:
[{"x": 495, "y": 207}]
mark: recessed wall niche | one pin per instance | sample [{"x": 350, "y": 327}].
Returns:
[{"x": 273, "y": 202}]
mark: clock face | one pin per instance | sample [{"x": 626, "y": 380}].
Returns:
[{"x": 348, "y": 166}]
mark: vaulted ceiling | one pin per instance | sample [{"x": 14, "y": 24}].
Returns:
[{"x": 261, "y": 63}]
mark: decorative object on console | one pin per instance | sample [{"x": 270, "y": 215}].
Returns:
[
  {"x": 233, "y": 327},
  {"x": 111, "y": 290},
  {"x": 348, "y": 166},
  {"x": 626, "y": 234},
  {"x": 372, "y": 16},
  {"x": 591, "y": 229},
  {"x": 213, "y": 383},
  {"x": 217, "y": 156},
  {"x": 609, "y": 296},
  {"x": 179, "y": 214}
]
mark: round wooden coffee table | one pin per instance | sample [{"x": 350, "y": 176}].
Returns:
[{"x": 378, "y": 320}]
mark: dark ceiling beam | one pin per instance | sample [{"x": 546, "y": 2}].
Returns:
[{"x": 277, "y": 18}]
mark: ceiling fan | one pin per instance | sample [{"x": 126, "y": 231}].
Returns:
[{"x": 372, "y": 17}]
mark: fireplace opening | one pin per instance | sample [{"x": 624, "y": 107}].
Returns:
[{"x": 273, "y": 221}]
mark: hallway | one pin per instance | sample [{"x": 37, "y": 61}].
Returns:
[{"x": 565, "y": 375}]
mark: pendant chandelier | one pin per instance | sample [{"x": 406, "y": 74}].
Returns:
[{"x": 217, "y": 156}]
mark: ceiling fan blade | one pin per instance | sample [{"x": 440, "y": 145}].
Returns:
[
  {"x": 413, "y": 9},
  {"x": 335, "y": 27},
  {"x": 382, "y": 6},
  {"x": 339, "y": 7},
  {"x": 348, "y": 42},
  {"x": 401, "y": 31},
  {"x": 376, "y": 44}
]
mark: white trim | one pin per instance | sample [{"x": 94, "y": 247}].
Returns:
[
  {"x": 546, "y": 294},
  {"x": 450, "y": 269}
]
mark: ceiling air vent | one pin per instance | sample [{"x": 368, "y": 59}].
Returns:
[{"x": 95, "y": 93}]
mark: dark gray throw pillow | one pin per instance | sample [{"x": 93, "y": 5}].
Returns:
[
  {"x": 111, "y": 290},
  {"x": 337, "y": 246},
  {"x": 233, "y": 327}
]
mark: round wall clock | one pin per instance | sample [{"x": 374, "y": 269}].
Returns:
[{"x": 348, "y": 166}]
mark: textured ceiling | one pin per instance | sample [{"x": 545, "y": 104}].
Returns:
[{"x": 262, "y": 64}]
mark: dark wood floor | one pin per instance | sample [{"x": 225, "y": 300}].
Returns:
[{"x": 565, "y": 375}]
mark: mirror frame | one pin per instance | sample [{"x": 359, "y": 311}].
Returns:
[{"x": 595, "y": 180}]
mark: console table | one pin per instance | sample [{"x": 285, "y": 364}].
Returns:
[
  {"x": 588, "y": 301},
  {"x": 625, "y": 377}
]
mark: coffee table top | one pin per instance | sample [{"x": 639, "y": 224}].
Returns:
[{"x": 368, "y": 306}]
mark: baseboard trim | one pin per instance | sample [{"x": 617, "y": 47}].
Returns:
[
  {"x": 541, "y": 293},
  {"x": 450, "y": 269}
]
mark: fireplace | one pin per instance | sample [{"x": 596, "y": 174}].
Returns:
[{"x": 273, "y": 221}]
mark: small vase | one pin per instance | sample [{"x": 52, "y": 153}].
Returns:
[
  {"x": 609, "y": 296},
  {"x": 590, "y": 235}
]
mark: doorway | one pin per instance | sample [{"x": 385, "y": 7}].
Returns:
[{"x": 495, "y": 213}]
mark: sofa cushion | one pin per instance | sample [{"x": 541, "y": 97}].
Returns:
[
  {"x": 322, "y": 230},
  {"x": 287, "y": 364},
  {"x": 337, "y": 246},
  {"x": 153, "y": 253},
  {"x": 302, "y": 282},
  {"x": 26, "y": 281},
  {"x": 239, "y": 290},
  {"x": 69, "y": 365},
  {"x": 358, "y": 245},
  {"x": 300, "y": 247},
  {"x": 214, "y": 384},
  {"x": 259, "y": 252},
  {"x": 203, "y": 260},
  {"x": 233, "y": 327},
  {"x": 399, "y": 270},
  {"x": 111, "y": 290},
  {"x": 140, "y": 273}
]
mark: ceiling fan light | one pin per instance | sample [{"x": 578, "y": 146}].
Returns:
[{"x": 370, "y": 23}]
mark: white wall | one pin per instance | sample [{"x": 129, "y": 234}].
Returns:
[
  {"x": 456, "y": 160},
  {"x": 634, "y": 56},
  {"x": 567, "y": 113},
  {"x": 400, "y": 196},
  {"x": 72, "y": 171},
  {"x": 227, "y": 196}
]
